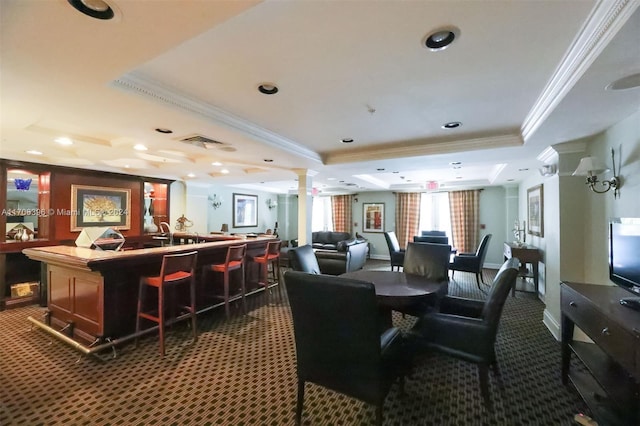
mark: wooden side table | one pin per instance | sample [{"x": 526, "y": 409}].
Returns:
[{"x": 526, "y": 254}]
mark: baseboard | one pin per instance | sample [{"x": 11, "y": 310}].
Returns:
[
  {"x": 491, "y": 265},
  {"x": 380, "y": 257},
  {"x": 551, "y": 324}
]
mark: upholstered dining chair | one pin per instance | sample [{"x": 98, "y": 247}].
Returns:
[
  {"x": 396, "y": 254},
  {"x": 467, "y": 328},
  {"x": 304, "y": 259},
  {"x": 338, "y": 341},
  {"x": 432, "y": 262},
  {"x": 472, "y": 262}
]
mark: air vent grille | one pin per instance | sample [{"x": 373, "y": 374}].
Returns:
[{"x": 202, "y": 141}]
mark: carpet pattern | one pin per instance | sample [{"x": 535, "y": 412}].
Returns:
[{"x": 242, "y": 372}]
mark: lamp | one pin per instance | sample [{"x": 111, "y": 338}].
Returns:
[
  {"x": 215, "y": 201},
  {"x": 272, "y": 204},
  {"x": 225, "y": 227},
  {"x": 591, "y": 167}
]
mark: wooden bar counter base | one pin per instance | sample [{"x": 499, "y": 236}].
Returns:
[{"x": 92, "y": 294}]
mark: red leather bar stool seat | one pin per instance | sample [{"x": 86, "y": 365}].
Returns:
[
  {"x": 176, "y": 270},
  {"x": 234, "y": 261},
  {"x": 271, "y": 256}
]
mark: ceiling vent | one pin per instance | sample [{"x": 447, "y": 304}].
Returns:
[{"x": 202, "y": 141}]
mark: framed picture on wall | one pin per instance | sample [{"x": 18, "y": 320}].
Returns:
[
  {"x": 373, "y": 217},
  {"x": 100, "y": 206},
  {"x": 535, "y": 210},
  {"x": 245, "y": 210}
]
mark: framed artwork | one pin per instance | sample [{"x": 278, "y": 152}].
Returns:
[
  {"x": 535, "y": 210},
  {"x": 100, "y": 206},
  {"x": 245, "y": 210},
  {"x": 373, "y": 217}
]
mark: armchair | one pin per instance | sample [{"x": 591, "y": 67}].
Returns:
[
  {"x": 303, "y": 259},
  {"x": 338, "y": 341},
  {"x": 472, "y": 262},
  {"x": 396, "y": 254},
  {"x": 467, "y": 328}
]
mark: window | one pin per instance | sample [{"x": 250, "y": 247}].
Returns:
[
  {"x": 434, "y": 212},
  {"x": 321, "y": 219}
]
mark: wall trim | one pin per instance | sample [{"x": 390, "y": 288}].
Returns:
[{"x": 552, "y": 324}]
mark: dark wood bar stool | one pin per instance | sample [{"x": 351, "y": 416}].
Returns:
[
  {"x": 235, "y": 260},
  {"x": 176, "y": 269},
  {"x": 271, "y": 257}
]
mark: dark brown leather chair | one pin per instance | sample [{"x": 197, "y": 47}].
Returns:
[
  {"x": 432, "y": 262},
  {"x": 396, "y": 254},
  {"x": 338, "y": 341},
  {"x": 303, "y": 259},
  {"x": 472, "y": 262},
  {"x": 467, "y": 328},
  {"x": 433, "y": 239}
]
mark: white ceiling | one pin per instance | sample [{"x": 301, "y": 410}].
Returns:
[{"x": 522, "y": 75}]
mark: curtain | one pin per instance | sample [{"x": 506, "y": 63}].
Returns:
[
  {"x": 465, "y": 220},
  {"x": 342, "y": 212},
  {"x": 407, "y": 216}
]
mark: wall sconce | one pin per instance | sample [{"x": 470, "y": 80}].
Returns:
[
  {"x": 548, "y": 170},
  {"x": 215, "y": 201},
  {"x": 272, "y": 204},
  {"x": 591, "y": 167}
]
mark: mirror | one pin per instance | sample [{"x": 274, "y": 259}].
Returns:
[{"x": 22, "y": 205}]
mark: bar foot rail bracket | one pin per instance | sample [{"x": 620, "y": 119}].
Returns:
[{"x": 94, "y": 347}]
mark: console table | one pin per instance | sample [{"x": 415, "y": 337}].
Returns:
[
  {"x": 525, "y": 254},
  {"x": 610, "y": 389}
]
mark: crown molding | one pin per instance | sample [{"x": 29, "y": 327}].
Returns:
[
  {"x": 427, "y": 148},
  {"x": 142, "y": 86},
  {"x": 603, "y": 23}
]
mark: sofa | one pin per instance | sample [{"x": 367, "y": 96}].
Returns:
[{"x": 337, "y": 252}]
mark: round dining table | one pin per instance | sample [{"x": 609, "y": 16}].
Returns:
[{"x": 396, "y": 290}]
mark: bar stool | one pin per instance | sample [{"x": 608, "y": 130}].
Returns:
[
  {"x": 176, "y": 269},
  {"x": 271, "y": 257},
  {"x": 234, "y": 261}
]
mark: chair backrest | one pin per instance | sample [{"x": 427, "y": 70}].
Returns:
[
  {"x": 303, "y": 259},
  {"x": 273, "y": 247},
  {"x": 433, "y": 233},
  {"x": 178, "y": 266},
  {"x": 482, "y": 248},
  {"x": 236, "y": 253},
  {"x": 337, "y": 335},
  {"x": 428, "y": 260},
  {"x": 392, "y": 241},
  {"x": 434, "y": 239},
  {"x": 502, "y": 284}
]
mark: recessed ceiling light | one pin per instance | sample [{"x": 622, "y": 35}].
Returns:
[
  {"x": 268, "y": 88},
  {"x": 216, "y": 163},
  {"x": 451, "y": 125},
  {"x": 34, "y": 152},
  {"x": 191, "y": 175},
  {"x": 523, "y": 169},
  {"x": 95, "y": 8},
  {"x": 268, "y": 160},
  {"x": 381, "y": 169},
  {"x": 331, "y": 178},
  {"x": 441, "y": 38},
  {"x": 64, "y": 141},
  {"x": 162, "y": 130},
  {"x": 346, "y": 140},
  {"x": 139, "y": 147},
  {"x": 628, "y": 82},
  {"x": 224, "y": 171},
  {"x": 455, "y": 163},
  {"x": 126, "y": 166},
  {"x": 395, "y": 172}
]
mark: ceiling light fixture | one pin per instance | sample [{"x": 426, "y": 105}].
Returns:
[
  {"x": 163, "y": 130},
  {"x": 441, "y": 38},
  {"x": 451, "y": 125},
  {"x": 268, "y": 160},
  {"x": 628, "y": 82},
  {"x": 98, "y": 9},
  {"x": 224, "y": 171},
  {"x": 140, "y": 147},
  {"x": 64, "y": 141},
  {"x": 268, "y": 88},
  {"x": 346, "y": 140},
  {"x": 216, "y": 163},
  {"x": 33, "y": 152}
]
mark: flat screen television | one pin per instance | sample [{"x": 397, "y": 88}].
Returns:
[{"x": 624, "y": 254}]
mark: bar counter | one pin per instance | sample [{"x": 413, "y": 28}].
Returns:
[{"x": 92, "y": 294}]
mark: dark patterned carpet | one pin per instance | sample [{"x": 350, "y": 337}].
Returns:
[{"x": 242, "y": 372}]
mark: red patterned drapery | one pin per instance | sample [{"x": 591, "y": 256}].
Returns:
[
  {"x": 407, "y": 216},
  {"x": 465, "y": 220},
  {"x": 342, "y": 212}
]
